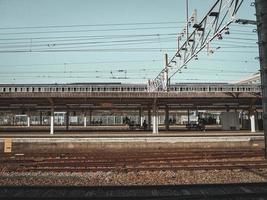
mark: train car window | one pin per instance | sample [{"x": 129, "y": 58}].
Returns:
[{"x": 27, "y": 89}]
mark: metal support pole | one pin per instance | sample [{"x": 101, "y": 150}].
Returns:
[
  {"x": 256, "y": 121},
  {"x": 67, "y": 120},
  {"x": 90, "y": 117},
  {"x": 149, "y": 118},
  {"x": 261, "y": 14},
  {"x": 41, "y": 118},
  {"x": 167, "y": 120},
  {"x": 241, "y": 119},
  {"x": 188, "y": 116},
  {"x": 52, "y": 121},
  {"x": 155, "y": 119},
  {"x": 13, "y": 119},
  {"x": 166, "y": 76},
  {"x": 187, "y": 21}
]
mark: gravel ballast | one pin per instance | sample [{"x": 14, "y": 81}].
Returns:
[{"x": 132, "y": 178}]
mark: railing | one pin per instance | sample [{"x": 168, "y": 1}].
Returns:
[{"x": 131, "y": 88}]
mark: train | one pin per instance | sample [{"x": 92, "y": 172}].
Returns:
[{"x": 119, "y": 87}]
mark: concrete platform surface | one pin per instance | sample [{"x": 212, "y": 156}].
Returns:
[
  {"x": 135, "y": 139},
  {"x": 115, "y": 134}
]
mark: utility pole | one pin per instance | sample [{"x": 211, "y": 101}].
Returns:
[
  {"x": 166, "y": 77},
  {"x": 261, "y": 13}
]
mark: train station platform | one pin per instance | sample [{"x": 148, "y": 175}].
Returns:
[{"x": 83, "y": 142}]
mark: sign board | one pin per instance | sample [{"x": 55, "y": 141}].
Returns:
[{"x": 7, "y": 145}]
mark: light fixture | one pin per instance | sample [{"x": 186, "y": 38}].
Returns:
[
  {"x": 219, "y": 36},
  {"x": 178, "y": 55},
  {"x": 227, "y": 32},
  {"x": 213, "y": 14},
  {"x": 197, "y": 26}
]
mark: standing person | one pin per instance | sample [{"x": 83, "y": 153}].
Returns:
[{"x": 144, "y": 125}]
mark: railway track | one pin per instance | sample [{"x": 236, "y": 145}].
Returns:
[
  {"x": 136, "y": 161},
  {"x": 204, "y": 191}
]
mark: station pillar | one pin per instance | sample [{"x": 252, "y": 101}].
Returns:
[
  {"x": 155, "y": 119},
  {"x": 257, "y": 128},
  {"x": 167, "y": 120},
  {"x": 140, "y": 116},
  {"x": 188, "y": 116},
  {"x": 149, "y": 118},
  {"x": 13, "y": 119},
  {"x": 41, "y": 118},
  {"x": 67, "y": 120},
  {"x": 84, "y": 120},
  {"x": 252, "y": 123},
  {"x": 28, "y": 120},
  {"x": 90, "y": 116},
  {"x": 52, "y": 121}
]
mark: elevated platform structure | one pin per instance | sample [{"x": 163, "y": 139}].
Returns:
[{"x": 125, "y": 97}]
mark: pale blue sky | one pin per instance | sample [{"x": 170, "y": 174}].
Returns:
[{"x": 123, "y": 38}]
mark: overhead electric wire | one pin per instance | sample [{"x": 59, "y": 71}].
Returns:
[
  {"x": 56, "y": 46},
  {"x": 32, "y": 41},
  {"x": 91, "y": 36},
  {"x": 86, "y": 25},
  {"x": 140, "y": 50},
  {"x": 89, "y": 30},
  {"x": 133, "y": 71},
  {"x": 119, "y": 61},
  {"x": 116, "y": 42},
  {"x": 68, "y": 44}
]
